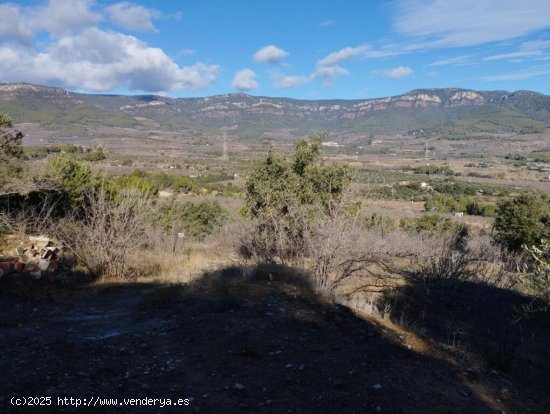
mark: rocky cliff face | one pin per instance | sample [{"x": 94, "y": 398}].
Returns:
[{"x": 235, "y": 105}]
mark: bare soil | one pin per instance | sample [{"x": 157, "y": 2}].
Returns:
[{"x": 230, "y": 344}]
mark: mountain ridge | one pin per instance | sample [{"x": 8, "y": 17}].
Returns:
[{"x": 439, "y": 110}]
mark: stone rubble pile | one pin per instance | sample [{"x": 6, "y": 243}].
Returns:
[{"x": 37, "y": 255}]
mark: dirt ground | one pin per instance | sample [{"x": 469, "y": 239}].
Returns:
[{"x": 255, "y": 346}]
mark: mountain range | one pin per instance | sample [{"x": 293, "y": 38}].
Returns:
[{"x": 450, "y": 111}]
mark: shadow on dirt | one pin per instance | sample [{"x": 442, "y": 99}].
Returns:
[
  {"x": 236, "y": 340},
  {"x": 482, "y": 324}
]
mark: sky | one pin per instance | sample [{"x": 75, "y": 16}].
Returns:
[{"x": 305, "y": 49}]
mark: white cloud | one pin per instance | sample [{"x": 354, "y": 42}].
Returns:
[
  {"x": 327, "y": 23},
  {"x": 512, "y": 76},
  {"x": 340, "y": 55},
  {"x": 536, "y": 45},
  {"x": 329, "y": 74},
  {"x": 77, "y": 54},
  {"x": 455, "y": 60},
  {"x": 63, "y": 16},
  {"x": 328, "y": 68},
  {"x": 14, "y": 26},
  {"x": 102, "y": 61},
  {"x": 282, "y": 81},
  {"x": 187, "y": 52},
  {"x": 514, "y": 55},
  {"x": 399, "y": 72},
  {"x": 270, "y": 54},
  {"x": 432, "y": 74},
  {"x": 245, "y": 80},
  {"x": 531, "y": 49},
  {"x": 133, "y": 16},
  {"x": 57, "y": 17},
  {"x": 470, "y": 22}
]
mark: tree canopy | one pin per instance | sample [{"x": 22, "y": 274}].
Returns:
[
  {"x": 281, "y": 183},
  {"x": 11, "y": 140},
  {"x": 523, "y": 220}
]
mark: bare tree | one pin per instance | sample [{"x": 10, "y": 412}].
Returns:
[
  {"x": 108, "y": 231},
  {"x": 26, "y": 219}
]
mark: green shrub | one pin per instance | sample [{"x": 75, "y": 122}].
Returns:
[
  {"x": 11, "y": 154},
  {"x": 197, "y": 220},
  {"x": 70, "y": 176},
  {"x": 96, "y": 155},
  {"x": 478, "y": 209},
  {"x": 287, "y": 195},
  {"x": 523, "y": 220},
  {"x": 137, "y": 182},
  {"x": 183, "y": 184},
  {"x": 442, "y": 204},
  {"x": 279, "y": 184},
  {"x": 433, "y": 170},
  {"x": 411, "y": 191},
  {"x": 11, "y": 141},
  {"x": 428, "y": 223},
  {"x": 380, "y": 223}
]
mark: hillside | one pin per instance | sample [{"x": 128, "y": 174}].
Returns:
[{"x": 440, "y": 111}]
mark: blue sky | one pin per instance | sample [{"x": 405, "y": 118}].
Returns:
[{"x": 301, "y": 49}]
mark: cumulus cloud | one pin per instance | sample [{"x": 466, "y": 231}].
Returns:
[
  {"x": 470, "y": 22},
  {"x": 102, "y": 61},
  {"x": 63, "y": 16},
  {"x": 329, "y": 74},
  {"x": 245, "y": 80},
  {"x": 270, "y": 54},
  {"x": 399, "y": 72},
  {"x": 14, "y": 26},
  {"x": 133, "y": 16},
  {"x": 56, "y": 17},
  {"x": 80, "y": 55},
  {"x": 328, "y": 68}
]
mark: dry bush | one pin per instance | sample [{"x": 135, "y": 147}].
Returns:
[
  {"x": 29, "y": 219},
  {"x": 231, "y": 242},
  {"x": 108, "y": 231},
  {"x": 459, "y": 257},
  {"x": 275, "y": 239},
  {"x": 537, "y": 277},
  {"x": 339, "y": 248},
  {"x": 331, "y": 247}
]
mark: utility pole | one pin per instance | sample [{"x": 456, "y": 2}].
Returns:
[{"x": 224, "y": 153}]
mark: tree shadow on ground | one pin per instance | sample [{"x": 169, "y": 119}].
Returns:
[
  {"x": 235, "y": 340},
  {"x": 483, "y": 325}
]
